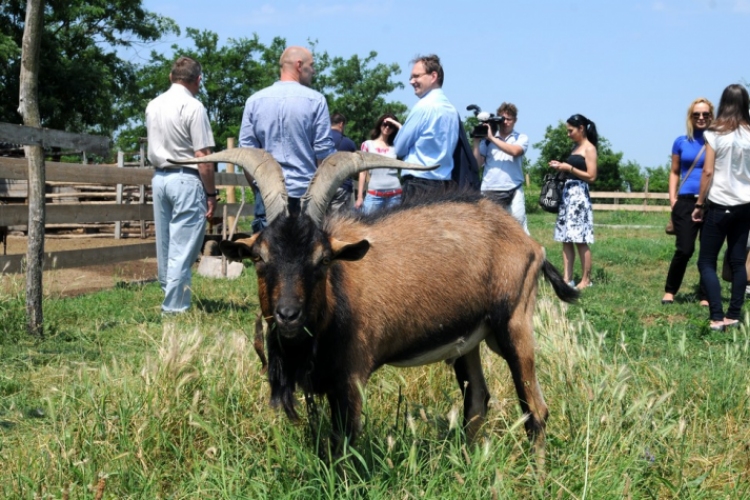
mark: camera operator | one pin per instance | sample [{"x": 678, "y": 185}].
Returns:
[{"x": 502, "y": 156}]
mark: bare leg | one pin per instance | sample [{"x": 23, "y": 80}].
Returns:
[
  {"x": 585, "y": 253},
  {"x": 569, "y": 258}
]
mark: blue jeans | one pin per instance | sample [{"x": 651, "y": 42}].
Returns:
[
  {"x": 373, "y": 202},
  {"x": 180, "y": 219},
  {"x": 732, "y": 224}
]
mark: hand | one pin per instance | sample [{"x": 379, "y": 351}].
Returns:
[
  {"x": 392, "y": 122},
  {"x": 211, "y": 202},
  {"x": 489, "y": 132},
  {"x": 358, "y": 203},
  {"x": 556, "y": 164},
  {"x": 698, "y": 215}
]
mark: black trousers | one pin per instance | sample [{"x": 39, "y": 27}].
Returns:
[
  {"x": 733, "y": 225},
  {"x": 416, "y": 187},
  {"x": 686, "y": 233}
]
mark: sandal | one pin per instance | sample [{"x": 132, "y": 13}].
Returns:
[{"x": 717, "y": 326}]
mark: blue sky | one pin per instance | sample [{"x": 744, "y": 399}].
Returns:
[{"x": 633, "y": 67}]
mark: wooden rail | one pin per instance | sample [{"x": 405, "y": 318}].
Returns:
[
  {"x": 119, "y": 183},
  {"x": 641, "y": 207}
]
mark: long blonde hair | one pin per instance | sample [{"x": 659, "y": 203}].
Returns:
[{"x": 689, "y": 121}]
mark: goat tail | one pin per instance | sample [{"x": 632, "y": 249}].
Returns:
[{"x": 566, "y": 292}]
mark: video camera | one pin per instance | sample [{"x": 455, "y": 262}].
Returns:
[{"x": 484, "y": 117}]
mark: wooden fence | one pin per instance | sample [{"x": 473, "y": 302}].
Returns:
[
  {"x": 651, "y": 202},
  {"x": 114, "y": 208}
]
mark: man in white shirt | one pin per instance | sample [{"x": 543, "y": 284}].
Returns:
[
  {"x": 502, "y": 156},
  {"x": 184, "y": 196}
]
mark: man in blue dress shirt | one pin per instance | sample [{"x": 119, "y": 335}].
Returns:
[
  {"x": 430, "y": 132},
  {"x": 291, "y": 122}
]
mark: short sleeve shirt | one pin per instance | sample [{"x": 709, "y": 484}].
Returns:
[
  {"x": 178, "y": 126},
  {"x": 503, "y": 172}
]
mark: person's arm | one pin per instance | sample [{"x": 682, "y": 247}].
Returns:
[
  {"x": 247, "y": 132},
  {"x": 476, "y": 141},
  {"x": 322, "y": 145},
  {"x": 706, "y": 179},
  {"x": 513, "y": 150},
  {"x": 407, "y": 134},
  {"x": 674, "y": 179},
  {"x": 206, "y": 171},
  {"x": 361, "y": 184},
  {"x": 589, "y": 155}
]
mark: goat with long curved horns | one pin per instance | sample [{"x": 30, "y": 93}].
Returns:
[{"x": 416, "y": 284}]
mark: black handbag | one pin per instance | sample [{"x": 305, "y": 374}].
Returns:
[{"x": 551, "y": 196}]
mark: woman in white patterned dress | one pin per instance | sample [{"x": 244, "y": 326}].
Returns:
[{"x": 575, "y": 220}]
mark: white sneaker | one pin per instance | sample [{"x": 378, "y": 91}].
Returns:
[
  {"x": 747, "y": 290},
  {"x": 572, "y": 283}
]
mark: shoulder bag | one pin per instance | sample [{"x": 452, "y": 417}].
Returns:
[
  {"x": 551, "y": 195},
  {"x": 669, "y": 229}
]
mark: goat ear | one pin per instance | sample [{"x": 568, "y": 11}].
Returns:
[
  {"x": 349, "y": 251},
  {"x": 237, "y": 250}
]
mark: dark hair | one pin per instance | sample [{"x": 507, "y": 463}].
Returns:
[
  {"x": 508, "y": 108},
  {"x": 733, "y": 110},
  {"x": 185, "y": 69},
  {"x": 375, "y": 132},
  {"x": 337, "y": 118},
  {"x": 589, "y": 127},
  {"x": 431, "y": 63}
]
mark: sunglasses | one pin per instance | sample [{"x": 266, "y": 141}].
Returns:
[
  {"x": 701, "y": 115},
  {"x": 389, "y": 125}
]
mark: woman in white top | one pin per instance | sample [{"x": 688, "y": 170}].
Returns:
[
  {"x": 384, "y": 186},
  {"x": 723, "y": 203}
]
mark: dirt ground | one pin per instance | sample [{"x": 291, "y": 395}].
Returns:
[{"x": 77, "y": 281}]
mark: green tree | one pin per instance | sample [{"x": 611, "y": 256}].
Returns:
[
  {"x": 231, "y": 73},
  {"x": 658, "y": 179},
  {"x": 82, "y": 81},
  {"x": 556, "y": 145},
  {"x": 357, "y": 87},
  {"x": 632, "y": 177}
]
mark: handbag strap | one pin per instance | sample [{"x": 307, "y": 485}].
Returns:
[{"x": 695, "y": 161}]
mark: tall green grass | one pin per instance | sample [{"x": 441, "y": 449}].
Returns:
[{"x": 644, "y": 401}]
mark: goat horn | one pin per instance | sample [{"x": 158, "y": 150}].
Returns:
[
  {"x": 337, "y": 167},
  {"x": 257, "y": 165}
]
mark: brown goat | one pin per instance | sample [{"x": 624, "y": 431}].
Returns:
[{"x": 421, "y": 283}]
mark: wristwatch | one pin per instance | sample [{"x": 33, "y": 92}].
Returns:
[
  {"x": 700, "y": 205},
  {"x": 212, "y": 195}
]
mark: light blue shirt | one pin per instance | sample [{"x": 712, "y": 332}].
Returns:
[
  {"x": 429, "y": 136},
  {"x": 291, "y": 122},
  {"x": 503, "y": 172}
]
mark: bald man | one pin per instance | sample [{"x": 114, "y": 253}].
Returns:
[{"x": 289, "y": 120}]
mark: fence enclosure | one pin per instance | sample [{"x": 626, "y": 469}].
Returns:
[{"x": 97, "y": 194}]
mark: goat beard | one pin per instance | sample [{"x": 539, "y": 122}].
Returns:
[{"x": 289, "y": 365}]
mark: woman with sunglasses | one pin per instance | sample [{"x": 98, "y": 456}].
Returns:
[
  {"x": 384, "y": 186},
  {"x": 723, "y": 203},
  {"x": 575, "y": 220},
  {"x": 684, "y": 183}
]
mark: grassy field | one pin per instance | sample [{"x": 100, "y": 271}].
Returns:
[{"x": 645, "y": 401}]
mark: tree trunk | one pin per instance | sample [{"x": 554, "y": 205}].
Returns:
[{"x": 29, "y": 109}]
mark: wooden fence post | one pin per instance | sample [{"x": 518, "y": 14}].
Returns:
[
  {"x": 118, "y": 224},
  {"x": 231, "y": 198},
  {"x": 142, "y": 192},
  {"x": 28, "y": 108}
]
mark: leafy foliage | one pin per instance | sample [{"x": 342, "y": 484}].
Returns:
[
  {"x": 83, "y": 81},
  {"x": 231, "y": 73},
  {"x": 357, "y": 88},
  {"x": 556, "y": 145}
]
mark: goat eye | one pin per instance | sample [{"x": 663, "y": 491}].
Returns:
[
  {"x": 256, "y": 258},
  {"x": 326, "y": 261}
]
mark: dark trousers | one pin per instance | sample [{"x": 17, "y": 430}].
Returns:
[
  {"x": 732, "y": 224},
  {"x": 416, "y": 187},
  {"x": 259, "y": 222},
  {"x": 686, "y": 232}
]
